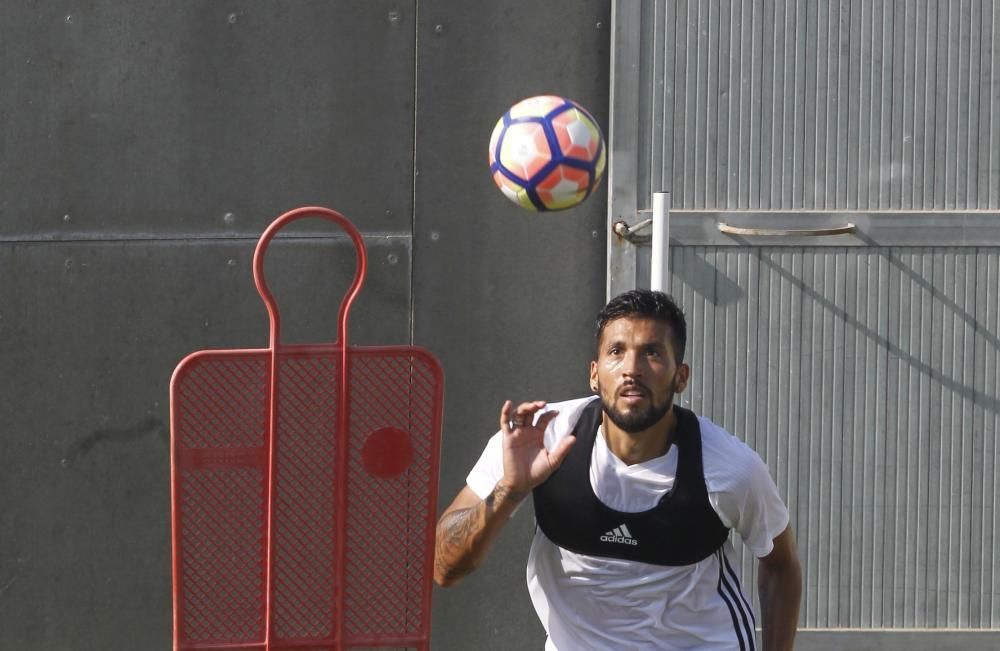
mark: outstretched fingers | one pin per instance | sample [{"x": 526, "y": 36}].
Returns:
[
  {"x": 512, "y": 419},
  {"x": 526, "y": 460},
  {"x": 505, "y": 411}
]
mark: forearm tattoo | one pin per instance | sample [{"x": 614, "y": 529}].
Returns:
[
  {"x": 454, "y": 555},
  {"x": 502, "y": 494},
  {"x": 452, "y": 540}
]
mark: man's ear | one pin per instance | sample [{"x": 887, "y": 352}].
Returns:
[
  {"x": 593, "y": 376},
  {"x": 683, "y": 375}
]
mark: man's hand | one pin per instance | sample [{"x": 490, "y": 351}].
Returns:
[
  {"x": 526, "y": 462},
  {"x": 779, "y": 582}
]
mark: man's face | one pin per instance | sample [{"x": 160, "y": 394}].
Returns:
[{"x": 636, "y": 373}]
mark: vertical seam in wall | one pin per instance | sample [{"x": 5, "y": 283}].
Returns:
[{"x": 413, "y": 170}]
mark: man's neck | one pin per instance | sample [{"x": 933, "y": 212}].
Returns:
[{"x": 638, "y": 447}]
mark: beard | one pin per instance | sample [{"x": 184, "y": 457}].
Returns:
[{"x": 637, "y": 420}]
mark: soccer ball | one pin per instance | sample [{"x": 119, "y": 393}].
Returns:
[{"x": 547, "y": 153}]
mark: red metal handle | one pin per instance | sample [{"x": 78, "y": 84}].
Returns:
[
  {"x": 344, "y": 394},
  {"x": 352, "y": 292}
]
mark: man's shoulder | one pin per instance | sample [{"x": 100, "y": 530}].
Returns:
[
  {"x": 725, "y": 457},
  {"x": 571, "y": 407},
  {"x": 717, "y": 440},
  {"x": 569, "y": 413}
]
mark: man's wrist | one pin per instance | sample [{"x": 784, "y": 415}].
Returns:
[{"x": 504, "y": 493}]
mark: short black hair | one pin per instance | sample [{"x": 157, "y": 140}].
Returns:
[{"x": 646, "y": 304}]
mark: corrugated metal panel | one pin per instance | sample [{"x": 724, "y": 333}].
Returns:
[
  {"x": 857, "y": 105},
  {"x": 868, "y": 379}
]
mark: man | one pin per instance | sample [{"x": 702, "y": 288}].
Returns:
[{"x": 634, "y": 499}]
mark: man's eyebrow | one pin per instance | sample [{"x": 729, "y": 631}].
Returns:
[{"x": 656, "y": 346}]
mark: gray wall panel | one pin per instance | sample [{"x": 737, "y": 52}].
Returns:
[
  {"x": 142, "y": 152},
  {"x": 857, "y": 373},
  {"x": 505, "y": 297},
  {"x": 89, "y": 336},
  {"x": 207, "y": 118},
  {"x": 787, "y": 105}
]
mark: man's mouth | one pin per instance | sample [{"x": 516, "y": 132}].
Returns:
[{"x": 633, "y": 393}]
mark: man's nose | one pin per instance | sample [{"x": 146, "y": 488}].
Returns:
[{"x": 632, "y": 366}]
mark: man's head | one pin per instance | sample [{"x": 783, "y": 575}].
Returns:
[
  {"x": 638, "y": 369},
  {"x": 646, "y": 304}
]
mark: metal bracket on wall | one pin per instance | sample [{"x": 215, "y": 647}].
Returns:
[
  {"x": 658, "y": 238},
  {"x": 631, "y": 233}
]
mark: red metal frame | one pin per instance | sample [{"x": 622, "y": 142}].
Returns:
[{"x": 249, "y": 457}]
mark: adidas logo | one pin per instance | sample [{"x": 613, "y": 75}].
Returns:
[{"x": 619, "y": 535}]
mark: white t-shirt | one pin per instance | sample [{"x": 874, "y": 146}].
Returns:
[{"x": 596, "y": 603}]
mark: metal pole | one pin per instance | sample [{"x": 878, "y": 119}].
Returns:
[{"x": 660, "y": 264}]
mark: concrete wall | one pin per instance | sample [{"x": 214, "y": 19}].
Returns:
[
  {"x": 505, "y": 298},
  {"x": 143, "y": 148}
]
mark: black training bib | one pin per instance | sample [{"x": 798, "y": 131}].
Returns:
[{"x": 681, "y": 529}]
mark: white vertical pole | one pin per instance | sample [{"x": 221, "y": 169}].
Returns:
[{"x": 660, "y": 264}]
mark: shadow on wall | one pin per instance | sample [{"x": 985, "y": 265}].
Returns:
[{"x": 716, "y": 287}]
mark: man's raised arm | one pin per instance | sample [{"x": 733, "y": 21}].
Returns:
[
  {"x": 468, "y": 528},
  {"x": 469, "y": 525}
]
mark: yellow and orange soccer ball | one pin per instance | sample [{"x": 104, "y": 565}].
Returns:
[{"x": 547, "y": 153}]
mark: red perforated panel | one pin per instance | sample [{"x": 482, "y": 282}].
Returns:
[
  {"x": 222, "y": 463},
  {"x": 387, "y": 572},
  {"x": 219, "y": 427},
  {"x": 221, "y": 571},
  {"x": 305, "y": 477},
  {"x": 221, "y": 401}
]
